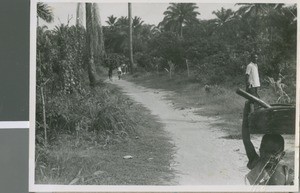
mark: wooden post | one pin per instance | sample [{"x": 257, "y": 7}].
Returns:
[
  {"x": 187, "y": 67},
  {"x": 44, "y": 116}
]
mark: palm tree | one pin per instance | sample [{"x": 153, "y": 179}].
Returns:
[
  {"x": 90, "y": 31},
  {"x": 132, "y": 65},
  {"x": 137, "y": 22},
  {"x": 256, "y": 16},
  {"x": 99, "y": 39},
  {"x": 179, "y": 14},
  {"x": 111, "y": 20},
  {"x": 257, "y": 9},
  {"x": 117, "y": 35},
  {"x": 223, "y": 16},
  {"x": 122, "y": 21},
  {"x": 79, "y": 14},
  {"x": 44, "y": 12}
]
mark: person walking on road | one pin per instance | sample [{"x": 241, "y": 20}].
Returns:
[{"x": 119, "y": 72}]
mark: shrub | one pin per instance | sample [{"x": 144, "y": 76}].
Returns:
[
  {"x": 101, "y": 110},
  {"x": 114, "y": 60},
  {"x": 168, "y": 45},
  {"x": 214, "y": 69}
]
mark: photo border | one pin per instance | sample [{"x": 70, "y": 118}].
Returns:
[
  {"x": 14, "y": 124},
  {"x": 110, "y": 188}
]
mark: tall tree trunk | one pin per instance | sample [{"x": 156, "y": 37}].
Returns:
[
  {"x": 79, "y": 15},
  {"x": 99, "y": 39},
  {"x": 90, "y": 31},
  {"x": 180, "y": 29},
  {"x": 132, "y": 65}
]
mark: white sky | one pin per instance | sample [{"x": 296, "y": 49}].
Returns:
[{"x": 151, "y": 13}]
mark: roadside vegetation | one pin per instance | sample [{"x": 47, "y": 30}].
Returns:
[
  {"x": 89, "y": 142},
  {"x": 204, "y": 61},
  {"x": 85, "y": 127},
  {"x": 88, "y": 131}
]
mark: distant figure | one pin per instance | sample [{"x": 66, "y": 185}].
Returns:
[
  {"x": 124, "y": 68},
  {"x": 207, "y": 88},
  {"x": 119, "y": 72},
  {"x": 252, "y": 78},
  {"x": 265, "y": 167},
  {"x": 110, "y": 72}
]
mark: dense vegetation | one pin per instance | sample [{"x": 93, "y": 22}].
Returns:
[
  {"x": 75, "y": 109},
  {"x": 214, "y": 51},
  {"x": 78, "y": 114}
]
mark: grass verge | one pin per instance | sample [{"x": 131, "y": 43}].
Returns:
[
  {"x": 221, "y": 102},
  {"x": 80, "y": 158}
]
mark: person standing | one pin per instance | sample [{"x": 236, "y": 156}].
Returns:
[{"x": 252, "y": 78}]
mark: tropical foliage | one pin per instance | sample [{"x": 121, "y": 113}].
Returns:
[
  {"x": 216, "y": 51},
  {"x": 44, "y": 12},
  {"x": 178, "y": 15}
]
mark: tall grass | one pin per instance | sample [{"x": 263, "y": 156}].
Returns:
[{"x": 95, "y": 131}]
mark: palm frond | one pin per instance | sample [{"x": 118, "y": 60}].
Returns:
[{"x": 45, "y": 12}]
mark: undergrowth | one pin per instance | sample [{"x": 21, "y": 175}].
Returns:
[{"x": 90, "y": 135}]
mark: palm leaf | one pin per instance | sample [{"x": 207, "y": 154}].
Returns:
[{"x": 45, "y": 12}]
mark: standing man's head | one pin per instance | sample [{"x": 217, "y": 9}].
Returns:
[{"x": 254, "y": 57}]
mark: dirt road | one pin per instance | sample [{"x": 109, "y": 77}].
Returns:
[{"x": 202, "y": 156}]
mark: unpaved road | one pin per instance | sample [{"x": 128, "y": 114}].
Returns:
[{"x": 202, "y": 156}]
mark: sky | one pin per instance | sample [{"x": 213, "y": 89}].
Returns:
[{"x": 151, "y": 13}]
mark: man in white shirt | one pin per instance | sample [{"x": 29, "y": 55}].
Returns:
[
  {"x": 252, "y": 76},
  {"x": 252, "y": 79}
]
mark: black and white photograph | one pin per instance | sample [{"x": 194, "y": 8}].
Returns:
[{"x": 163, "y": 96}]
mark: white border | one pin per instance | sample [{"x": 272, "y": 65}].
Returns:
[
  {"x": 99, "y": 188},
  {"x": 168, "y": 1},
  {"x": 14, "y": 124},
  {"x": 32, "y": 86}
]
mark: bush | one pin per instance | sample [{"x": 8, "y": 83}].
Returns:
[
  {"x": 114, "y": 60},
  {"x": 61, "y": 57},
  {"x": 102, "y": 111},
  {"x": 215, "y": 69},
  {"x": 168, "y": 45}
]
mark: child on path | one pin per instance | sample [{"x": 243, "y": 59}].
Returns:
[
  {"x": 119, "y": 72},
  {"x": 265, "y": 167}
]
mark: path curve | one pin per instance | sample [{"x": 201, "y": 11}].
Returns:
[{"x": 202, "y": 156}]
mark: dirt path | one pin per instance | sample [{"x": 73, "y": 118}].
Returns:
[{"x": 203, "y": 157}]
